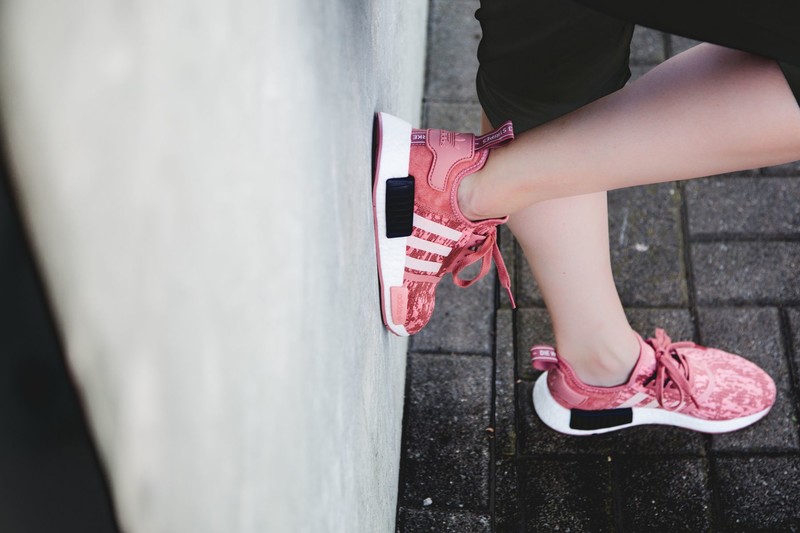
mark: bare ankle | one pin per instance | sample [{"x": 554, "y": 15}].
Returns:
[
  {"x": 479, "y": 193},
  {"x": 603, "y": 365},
  {"x": 466, "y": 198}
]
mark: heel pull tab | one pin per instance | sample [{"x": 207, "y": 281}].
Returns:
[
  {"x": 501, "y": 135},
  {"x": 450, "y": 148},
  {"x": 544, "y": 358}
]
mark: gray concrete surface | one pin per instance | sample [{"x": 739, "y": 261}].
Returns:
[
  {"x": 713, "y": 260},
  {"x": 196, "y": 181}
]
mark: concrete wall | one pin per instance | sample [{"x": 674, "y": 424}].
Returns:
[{"x": 196, "y": 179}]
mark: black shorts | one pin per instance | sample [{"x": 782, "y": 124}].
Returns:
[{"x": 540, "y": 59}]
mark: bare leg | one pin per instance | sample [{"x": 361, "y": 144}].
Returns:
[
  {"x": 707, "y": 111},
  {"x": 566, "y": 244}
]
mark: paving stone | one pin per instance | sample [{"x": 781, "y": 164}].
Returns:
[
  {"x": 416, "y": 521},
  {"x": 637, "y": 71},
  {"x": 794, "y": 326},
  {"x": 646, "y": 245},
  {"x": 758, "y": 493},
  {"x": 755, "y": 333},
  {"x": 445, "y": 444},
  {"x": 676, "y": 322},
  {"x": 508, "y": 249},
  {"x": 537, "y": 439},
  {"x": 664, "y": 495},
  {"x": 508, "y": 517},
  {"x": 456, "y": 117},
  {"x": 743, "y": 206},
  {"x": 573, "y": 495},
  {"x": 453, "y": 34},
  {"x": 789, "y": 169},
  {"x": 745, "y": 173},
  {"x": 504, "y": 431},
  {"x": 752, "y": 272},
  {"x": 680, "y": 44},
  {"x": 462, "y": 318},
  {"x": 647, "y": 46}
]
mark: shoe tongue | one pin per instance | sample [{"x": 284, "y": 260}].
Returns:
[
  {"x": 544, "y": 357},
  {"x": 486, "y": 225}
]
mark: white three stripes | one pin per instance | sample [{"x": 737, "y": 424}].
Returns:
[
  {"x": 636, "y": 399},
  {"x": 431, "y": 247},
  {"x": 434, "y": 227},
  {"x": 423, "y": 266}
]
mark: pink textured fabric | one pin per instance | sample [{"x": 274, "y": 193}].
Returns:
[
  {"x": 399, "y": 297},
  {"x": 439, "y": 160},
  {"x": 704, "y": 383},
  {"x": 449, "y": 148}
]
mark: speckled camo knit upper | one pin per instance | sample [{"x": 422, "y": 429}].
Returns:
[
  {"x": 684, "y": 377},
  {"x": 443, "y": 240}
]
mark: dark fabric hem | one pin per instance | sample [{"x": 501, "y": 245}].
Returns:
[{"x": 792, "y": 74}]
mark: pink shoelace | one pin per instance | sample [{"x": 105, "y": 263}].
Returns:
[
  {"x": 480, "y": 247},
  {"x": 672, "y": 367}
]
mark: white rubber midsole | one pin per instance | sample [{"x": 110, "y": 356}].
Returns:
[
  {"x": 393, "y": 159},
  {"x": 558, "y": 417}
]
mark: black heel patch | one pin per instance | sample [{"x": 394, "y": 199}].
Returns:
[
  {"x": 605, "y": 418},
  {"x": 399, "y": 207}
]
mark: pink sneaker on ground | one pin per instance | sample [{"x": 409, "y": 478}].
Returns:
[
  {"x": 673, "y": 383},
  {"x": 420, "y": 232}
]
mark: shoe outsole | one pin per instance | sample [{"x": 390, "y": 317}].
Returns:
[
  {"x": 563, "y": 420},
  {"x": 392, "y": 156}
]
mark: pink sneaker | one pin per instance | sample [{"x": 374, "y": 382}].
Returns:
[
  {"x": 673, "y": 383},
  {"x": 420, "y": 232}
]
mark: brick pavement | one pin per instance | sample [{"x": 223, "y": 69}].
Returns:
[{"x": 689, "y": 257}]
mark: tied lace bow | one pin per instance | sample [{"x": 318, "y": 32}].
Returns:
[
  {"x": 671, "y": 367},
  {"x": 480, "y": 247}
]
